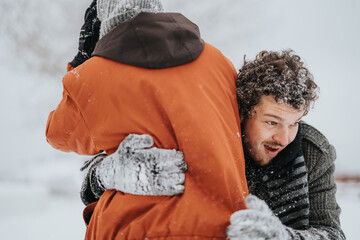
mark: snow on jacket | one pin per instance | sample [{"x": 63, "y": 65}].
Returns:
[
  {"x": 300, "y": 187},
  {"x": 155, "y": 75}
]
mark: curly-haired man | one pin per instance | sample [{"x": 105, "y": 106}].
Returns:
[{"x": 289, "y": 164}]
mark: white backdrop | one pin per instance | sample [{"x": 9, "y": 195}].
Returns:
[{"x": 39, "y": 186}]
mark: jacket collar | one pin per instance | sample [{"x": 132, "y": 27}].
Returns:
[{"x": 152, "y": 40}]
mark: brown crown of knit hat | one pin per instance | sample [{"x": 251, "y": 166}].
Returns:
[{"x": 113, "y": 12}]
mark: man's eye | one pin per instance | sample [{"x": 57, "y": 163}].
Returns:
[
  {"x": 295, "y": 124},
  {"x": 271, "y": 123}
]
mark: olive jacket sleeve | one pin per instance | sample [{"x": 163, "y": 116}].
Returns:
[{"x": 324, "y": 216}]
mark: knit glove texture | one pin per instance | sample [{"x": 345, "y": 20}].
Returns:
[
  {"x": 256, "y": 223},
  {"x": 138, "y": 169}
]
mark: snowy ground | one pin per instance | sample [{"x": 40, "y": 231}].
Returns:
[
  {"x": 30, "y": 212},
  {"x": 348, "y": 197}
]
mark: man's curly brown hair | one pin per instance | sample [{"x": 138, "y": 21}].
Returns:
[{"x": 281, "y": 74}]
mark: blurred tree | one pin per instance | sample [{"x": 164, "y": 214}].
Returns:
[{"x": 42, "y": 34}]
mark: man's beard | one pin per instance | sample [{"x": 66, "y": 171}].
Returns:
[
  {"x": 250, "y": 152},
  {"x": 248, "y": 149}
]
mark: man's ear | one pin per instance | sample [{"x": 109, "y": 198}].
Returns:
[{"x": 251, "y": 114}]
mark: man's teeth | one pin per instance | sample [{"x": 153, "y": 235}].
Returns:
[{"x": 271, "y": 148}]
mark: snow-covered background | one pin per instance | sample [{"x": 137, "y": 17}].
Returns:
[{"x": 39, "y": 186}]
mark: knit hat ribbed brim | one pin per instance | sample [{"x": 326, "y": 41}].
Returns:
[{"x": 113, "y": 12}]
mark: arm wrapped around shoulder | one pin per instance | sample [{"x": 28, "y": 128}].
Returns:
[{"x": 136, "y": 168}]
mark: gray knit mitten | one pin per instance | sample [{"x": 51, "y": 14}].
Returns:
[
  {"x": 257, "y": 223},
  {"x": 138, "y": 169}
]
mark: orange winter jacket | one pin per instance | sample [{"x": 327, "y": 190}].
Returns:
[{"x": 189, "y": 105}]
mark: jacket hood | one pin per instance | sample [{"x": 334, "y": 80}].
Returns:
[{"x": 152, "y": 40}]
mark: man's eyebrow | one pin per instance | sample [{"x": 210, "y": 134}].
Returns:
[
  {"x": 272, "y": 115},
  {"x": 277, "y": 117}
]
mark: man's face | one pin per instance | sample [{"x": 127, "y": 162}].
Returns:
[{"x": 271, "y": 128}]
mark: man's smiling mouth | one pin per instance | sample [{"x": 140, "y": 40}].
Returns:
[{"x": 271, "y": 149}]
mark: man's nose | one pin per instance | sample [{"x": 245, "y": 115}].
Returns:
[{"x": 282, "y": 136}]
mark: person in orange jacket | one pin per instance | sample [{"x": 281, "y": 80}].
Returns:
[
  {"x": 169, "y": 165},
  {"x": 151, "y": 73}
]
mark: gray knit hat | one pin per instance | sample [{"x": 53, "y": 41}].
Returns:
[{"x": 113, "y": 12}]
